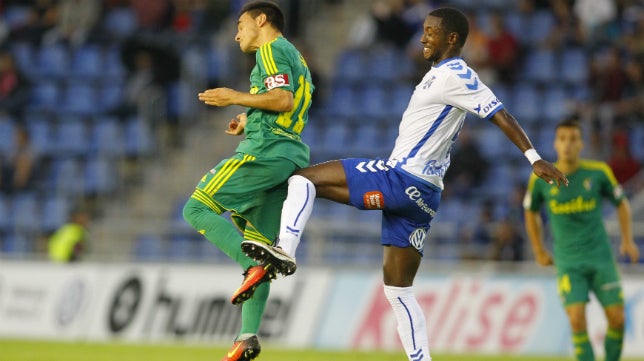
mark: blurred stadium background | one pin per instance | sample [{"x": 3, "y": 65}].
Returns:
[{"x": 106, "y": 92}]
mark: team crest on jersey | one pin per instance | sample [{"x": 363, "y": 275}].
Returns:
[
  {"x": 374, "y": 200},
  {"x": 588, "y": 184},
  {"x": 428, "y": 83},
  {"x": 276, "y": 81},
  {"x": 417, "y": 238},
  {"x": 254, "y": 90},
  {"x": 554, "y": 190}
]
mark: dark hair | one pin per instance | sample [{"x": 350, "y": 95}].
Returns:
[
  {"x": 570, "y": 122},
  {"x": 453, "y": 21},
  {"x": 273, "y": 13}
]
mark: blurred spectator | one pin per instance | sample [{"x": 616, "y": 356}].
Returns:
[
  {"x": 14, "y": 86},
  {"x": 391, "y": 27},
  {"x": 43, "y": 16},
  {"x": 75, "y": 22},
  {"x": 468, "y": 167},
  {"x": 502, "y": 50},
  {"x": 69, "y": 242},
  {"x": 596, "y": 16},
  {"x": 141, "y": 86},
  {"x": 608, "y": 77},
  {"x": 153, "y": 15},
  {"x": 621, "y": 161},
  {"x": 17, "y": 170},
  {"x": 476, "y": 53},
  {"x": 507, "y": 242},
  {"x": 568, "y": 30}
]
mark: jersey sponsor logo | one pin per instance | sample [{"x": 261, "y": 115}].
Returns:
[
  {"x": 374, "y": 200},
  {"x": 577, "y": 205},
  {"x": 372, "y": 166},
  {"x": 488, "y": 107},
  {"x": 276, "y": 81},
  {"x": 416, "y": 196},
  {"x": 434, "y": 168},
  {"x": 417, "y": 238}
]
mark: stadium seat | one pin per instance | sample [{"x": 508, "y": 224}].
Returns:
[
  {"x": 7, "y": 129},
  {"x": 494, "y": 144},
  {"x": 80, "y": 98},
  {"x": 110, "y": 94},
  {"x": 555, "y": 105},
  {"x": 16, "y": 243},
  {"x": 120, "y": 22},
  {"x": 400, "y": 95},
  {"x": 100, "y": 176},
  {"x": 107, "y": 138},
  {"x": 540, "y": 66},
  {"x": 87, "y": 62},
  {"x": 45, "y": 96},
  {"x": 24, "y": 53},
  {"x": 52, "y": 61},
  {"x": 542, "y": 24},
  {"x": 66, "y": 177},
  {"x": 373, "y": 102},
  {"x": 71, "y": 138},
  {"x": 573, "y": 66},
  {"x": 55, "y": 212},
  {"x": 350, "y": 66},
  {"x": 25, "y": 210},
  {"x": 5, "y": 214},
  {"x": 114, "y": 70},
  {"x": 527, "y": 103},
  {"x": 367, "y": 141},
  {"x": 139, "y": 140},
  {"x": 343, "y": 101},
  {"x": 149, "y": 247},
  {"x": 335, "y": 138},
  {"x": 41, "y": 135}
]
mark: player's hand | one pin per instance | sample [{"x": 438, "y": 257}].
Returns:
[
  {"x": 549, "y": 173},
  {"x": 629, "y": 248},
  {"x": 543, "y": 258},
  {"x": 219, "y": 97},
  {"x": 236, "y": 125}
]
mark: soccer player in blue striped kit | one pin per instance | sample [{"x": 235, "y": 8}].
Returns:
[{"x": 407, "y": 186}]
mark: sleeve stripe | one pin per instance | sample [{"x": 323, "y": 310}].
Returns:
[{"x": 266, "y": 53}]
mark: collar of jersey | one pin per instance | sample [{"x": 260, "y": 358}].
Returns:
[{"x": 446, "y": 61}]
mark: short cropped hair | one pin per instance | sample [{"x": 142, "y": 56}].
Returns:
[
  {"x": 569, "y": 122},
  {"x": 273, "y": 13},
  {"x": 453, "y": 21}
]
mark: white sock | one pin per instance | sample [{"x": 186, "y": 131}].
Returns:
[
  {"x": 412, "y": 328},
  {"x": 295, "y": 212}
]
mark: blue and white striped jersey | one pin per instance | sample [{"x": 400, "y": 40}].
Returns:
[{"x": 434, "y": 117}]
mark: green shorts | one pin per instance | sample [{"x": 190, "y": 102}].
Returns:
[
  {"x": 251, "y": 189},
  {"x": 574, "y": 283}
]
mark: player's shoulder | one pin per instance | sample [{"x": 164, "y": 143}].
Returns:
[
  {"x": 594, "y": 165},
  {"x": 457, "y": 69}
]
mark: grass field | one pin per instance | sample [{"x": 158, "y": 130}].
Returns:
[{"x": 13, "y": 350}]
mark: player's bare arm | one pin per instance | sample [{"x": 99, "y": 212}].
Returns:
[
  {"x": 276, "y": 100},
  {"x": 534, "y": 230},
  {"x": 236, "y": 125},
  {"x": 511, "y": 128},
  {"x": 627, "y": 246}
]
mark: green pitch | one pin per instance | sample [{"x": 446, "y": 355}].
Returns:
[{"x": 12, "y": 350}]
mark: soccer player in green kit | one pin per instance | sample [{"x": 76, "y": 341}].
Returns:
[
  {"x": 583, "y": 257},
  {"x": 251, "y": 184}
]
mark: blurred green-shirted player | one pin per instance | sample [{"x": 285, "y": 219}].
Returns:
[
  {"x": 582, "y": 252},
  {"x": 251, "y": 184}
]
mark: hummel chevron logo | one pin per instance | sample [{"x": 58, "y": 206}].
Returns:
[
  {"x": 467, "y": 74},
  {"x": 417, "y": 356},
  {"x": 378, "y": 164}
]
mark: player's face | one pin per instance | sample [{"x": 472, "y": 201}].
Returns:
[
  {"x": 434, "y": 39},
  {"x": 247, "y": 33},
  {"x": 568, "y": 143}
]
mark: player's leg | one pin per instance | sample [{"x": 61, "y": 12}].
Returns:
[
  {"x": 607, "y": 287},
  {"x": 326, "y": 180},
  {"x": 573, "y": 287},
  {"x": 399, "y": 269}
]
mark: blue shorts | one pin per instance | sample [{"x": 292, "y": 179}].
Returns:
[{"x": 408, "y": 203}]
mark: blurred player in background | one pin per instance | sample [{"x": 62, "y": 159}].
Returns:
[
  {"x": 407, "y": 186},
  {"x": 251, "y": 185},
  {"x": 582, "y": 252}
]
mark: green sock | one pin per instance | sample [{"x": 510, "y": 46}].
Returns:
[
  {"x": 613, "y": 344},
  {"x": 253, "y": 309},
  {"x": 217, "y": 230},
  {"x": 583, "y": 348}
]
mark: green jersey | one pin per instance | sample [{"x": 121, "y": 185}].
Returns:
[
  {"x": 272, "y": 134},
  {"x": 575, "y": 212}
]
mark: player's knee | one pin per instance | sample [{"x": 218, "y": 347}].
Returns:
[
  {"x": 577, "y": 323},
  {"x": 616, "y": 320}
]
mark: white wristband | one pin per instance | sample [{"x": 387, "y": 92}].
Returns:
[{"x": 532, "y": 155}]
